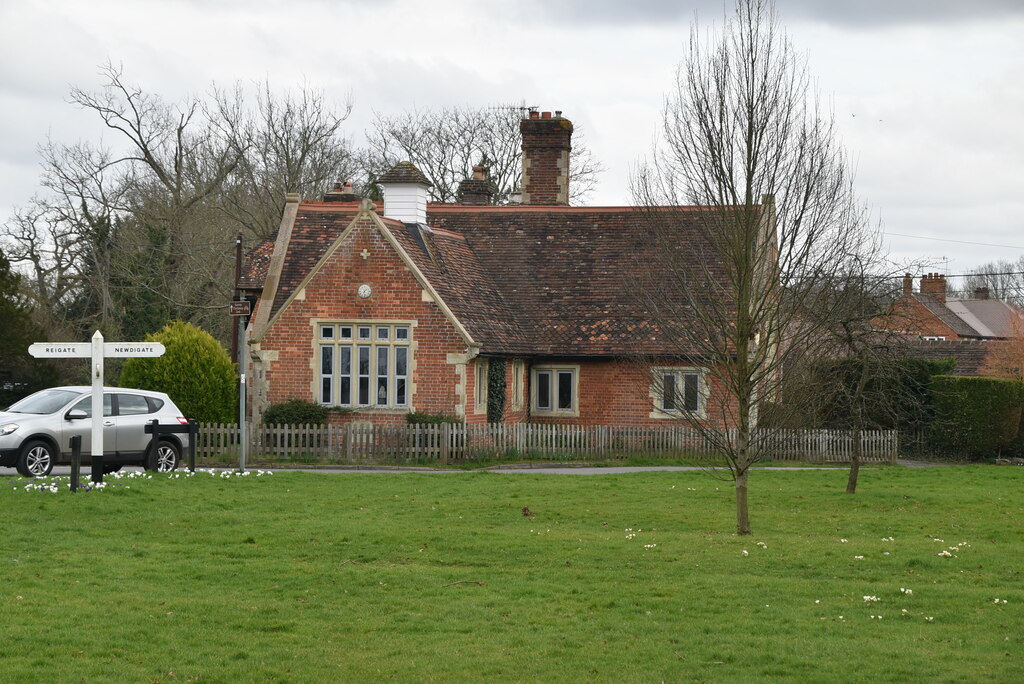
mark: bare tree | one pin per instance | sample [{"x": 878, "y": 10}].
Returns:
[
  {"x": 446, "y": 143},
  {"x": 1004, "y": 279},
  {"x": 862, "y": 378},
  {"x": 746, "y": 139},
  {"x": 291, "y": 142},
  {"x": 132, "y": 233}
]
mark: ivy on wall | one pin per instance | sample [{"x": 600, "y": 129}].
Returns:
[{"x": 495, "y": 390}]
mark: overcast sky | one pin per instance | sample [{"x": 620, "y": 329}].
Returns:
[{"x": 928, "y": 94}]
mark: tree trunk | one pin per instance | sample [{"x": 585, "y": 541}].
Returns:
[
  {"x": 742, "y": 514},
  {"x": 851, "y": 482}
]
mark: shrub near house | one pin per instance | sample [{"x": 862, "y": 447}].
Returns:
[{"x": 195, "y": 371}]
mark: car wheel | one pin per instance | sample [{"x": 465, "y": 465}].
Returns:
[
  {"x": 36, "y": 459},
  {"x": 165, "y": 458}
]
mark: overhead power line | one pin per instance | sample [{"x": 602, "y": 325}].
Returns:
[{"x": 962, "y": 242}]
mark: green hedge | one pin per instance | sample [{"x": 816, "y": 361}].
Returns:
[
  {"x": 417, "y": 418},
  {"x": 295, "y": 412},
  {"x": 976, "y": 418}
]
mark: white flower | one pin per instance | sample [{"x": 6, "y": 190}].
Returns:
[
  {"x": 908, "y": 592},
  {"x": 871, "y": 599},
  {"x": 858, "y": 558},
  {"x": 762, "y": 545},
  {"x": 843, "y": 541},
  {"x": 744, "y": 552},
  {"x": 929, "y": 619}
]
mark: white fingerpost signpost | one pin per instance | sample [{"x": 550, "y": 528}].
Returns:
[{"x": 96, "y": 350}]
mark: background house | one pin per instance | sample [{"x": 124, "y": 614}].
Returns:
[
  {"x": 385, "y": 308},
  {"x": 938, "y": 326}
]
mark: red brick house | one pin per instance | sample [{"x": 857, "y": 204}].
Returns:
[
  {"x": 938, "y": 326},
  {"x": 404, "y": 306},
  {"x": 930, "y": 314}
]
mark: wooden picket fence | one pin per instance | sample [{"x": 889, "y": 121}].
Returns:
[{"x": 367, "y": 443}]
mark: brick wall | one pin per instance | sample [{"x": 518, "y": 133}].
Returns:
[
  {"x": 331, "y": 296},
  {"x": 619, "y": 393},
  {"x": 909, "y": 316}
]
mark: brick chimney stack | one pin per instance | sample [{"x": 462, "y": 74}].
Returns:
[
  {"x": 908, "y": 283},
  {"x": 934, "y": 284},
  {"x": 478, "y": 190},
  {"x": 547, "y": 141},
  {"x": 981, "y": 292},
  {"x": 342, "y": 193}
]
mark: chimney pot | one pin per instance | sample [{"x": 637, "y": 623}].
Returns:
[
  {"x": 545, "y": 115},
  {"x": 534, "y": 114}
]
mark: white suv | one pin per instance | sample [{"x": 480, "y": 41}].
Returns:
[{"x": 36, "y": 432}]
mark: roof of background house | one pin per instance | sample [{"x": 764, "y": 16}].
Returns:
[
  {"x": 972, "y": 317},
  {"x": 969, "y": 355},
  {"x": 538, "y": 280}
]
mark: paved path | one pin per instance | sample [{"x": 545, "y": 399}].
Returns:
[{"x": 512, "y": 469}]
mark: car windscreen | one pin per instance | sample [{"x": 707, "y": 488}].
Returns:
[{"x": 41, "y": 403}]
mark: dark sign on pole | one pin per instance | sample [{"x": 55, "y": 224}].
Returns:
[{"x": 240, "y": 308}]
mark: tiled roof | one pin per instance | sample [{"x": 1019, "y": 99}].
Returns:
[
  {"x": 404, "y": 172},
  {"x": 942, "y": 312},
  {"x": 969, "y": 355},
  {"x": 973, "y": 318},
  {"x": 523, "y": 280},
  {"x": 317, "y": 226},
  {"x": 989, "y": 317},
  {"x": 254, "y": 268},
  {"x": 568, "y": 274}
]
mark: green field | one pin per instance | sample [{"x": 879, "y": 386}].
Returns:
[{"x": 306, "y": 577}]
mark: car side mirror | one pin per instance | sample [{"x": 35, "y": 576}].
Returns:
[{"x": 76, "y": 414}]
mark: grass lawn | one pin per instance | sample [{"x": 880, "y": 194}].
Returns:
[{"x": 308, "y": 577}]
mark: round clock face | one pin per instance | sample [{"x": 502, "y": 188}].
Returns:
[{"x": 365, "y": 291}]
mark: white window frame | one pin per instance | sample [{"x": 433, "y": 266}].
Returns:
[
  {"x": 657, "y": 392},
  {"x": 553, "y": 372},
  {"x": 482, "y": 368},
  {"x": 380, "y": 346},
  {"x": 517, "y": 384}
]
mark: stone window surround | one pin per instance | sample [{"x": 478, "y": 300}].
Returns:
[{"x": 373, "y": 342}]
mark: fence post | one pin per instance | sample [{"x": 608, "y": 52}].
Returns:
[
  {"x": 193, "y": 435},
  {"x": 76, "y": 461},
  {"x": 446, "y": 437}
]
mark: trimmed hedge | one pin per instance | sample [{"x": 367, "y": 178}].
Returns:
[
  {"x": 195, "y": 371},
  {"x": 975, "y": 417},
  {"x": 417, "y": 418},
  {"x": 295, "y": 412}
]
